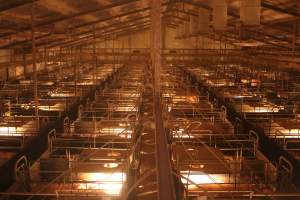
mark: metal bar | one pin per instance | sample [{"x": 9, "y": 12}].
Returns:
[{"x": 87, "y": 193}]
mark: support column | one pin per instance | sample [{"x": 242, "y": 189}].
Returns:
[
  {"x": 295, "y": 34},
  {"x": 35, "y": 79},
  {"x": 45, "y": 58},
  {"x": 156, "y": 44},
  {"x": 24, "y": 64},
  {"x": 113, "y": 52},
  {"x": 163, "y": 161},
  {"x": 60, "y": 65},
  {"x": 75, "y": 62},
  {"x": 95, "y": 56}
]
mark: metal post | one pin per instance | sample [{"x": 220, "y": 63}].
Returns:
[
  {"x": 24, "y": 64},
  {"x": 156, "y": 44},
  {"x": 60, "y": 65},
  {"x": 95, "y": 57},
  {"x": 45, "y": 58},
  {"x": 73, "y": 56},
  {"x": 295, "y": 33},
  {"x": 113, "y": 51},
  {"x": 163, "y": 163},
  {"x": 35, "y": 88},
  {"x": 130, "y": 47}
]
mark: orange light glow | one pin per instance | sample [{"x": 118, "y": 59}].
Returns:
[
  {"x": 109, "y": 183},
  {"x": 198, "y": 177},
  {"x": 11, "y": 131}
]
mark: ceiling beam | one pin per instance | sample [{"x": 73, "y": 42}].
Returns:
[
  {"x": 100, "y": 35},
  {"x": 88, "y": 12},
  {"x": 89, "y": 41},
  {"x": 46, "y": 23},
  {"x": 279, "y": 9},
  {"x": 115, "y": 24},
  {"x": 97, "y": 21},
  {"x": 145, "y": 9},
  {"x": 111, "y": 17},
  {"x": 9, "y": 4},
  {"x": 23, "y": 42}
]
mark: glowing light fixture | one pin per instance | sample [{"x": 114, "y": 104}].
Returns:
[
  {"x": 109, "y": 183},
  {"x": 11, "y": 131},
  {"x": 111, "y": 165},
  {"x": 122, "y": 132},
  {"x": 199, "y": 177},
  {"x": 180, "y": 133}
]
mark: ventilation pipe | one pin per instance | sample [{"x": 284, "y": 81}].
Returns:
[
  {"x": 194, "y": 25},
  {"x": 203, "y": 21},
  {"x": 219, "y": 14},
  {"x": 250, "y": 12}
]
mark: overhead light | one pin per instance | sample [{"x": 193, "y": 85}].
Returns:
[
  {"x": 249, "y": 44},
  {"x": 202, "y": 178},
  {"x": 109, "y": 183},
  {"x": 11, "y": 131},
  {"x": 114, "y": 154},
  {"x": 111, "y": 165}
]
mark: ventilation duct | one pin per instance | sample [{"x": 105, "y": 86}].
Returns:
[
  {"x": 219, "y": 14},
  {"x": 203, "y": 21},
  {"x": 250, "y": 12},
  {"x": 194, "y": 25}
]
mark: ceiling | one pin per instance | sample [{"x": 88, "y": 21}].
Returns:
[{"x": 61, "y": 22}]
